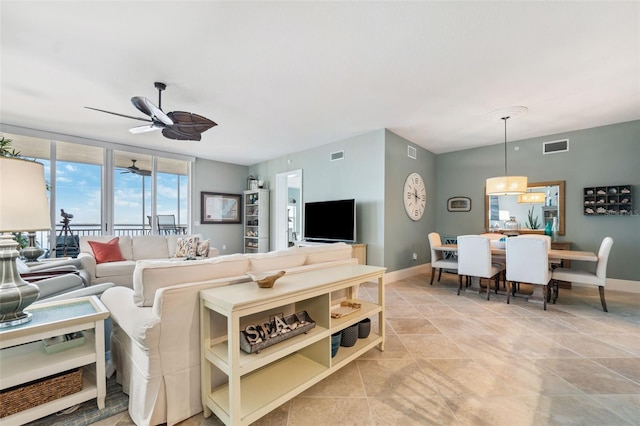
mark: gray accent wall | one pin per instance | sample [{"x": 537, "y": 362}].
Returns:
[
  {"x": 403, "y": 236},
  {"x": 607, "y": 155},
  {"x": 215, "y": 176}
]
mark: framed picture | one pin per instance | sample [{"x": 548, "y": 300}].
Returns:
[
  {"x": 459, "y": 204},
  {"x": 219, "y": 208}
]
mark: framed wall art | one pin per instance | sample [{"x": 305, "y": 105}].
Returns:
[
  {"x": 219, "y": 208},
  {"x": 459, "y": 204}
]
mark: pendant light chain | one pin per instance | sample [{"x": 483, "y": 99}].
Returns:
[{"x": 505, "y": 145}]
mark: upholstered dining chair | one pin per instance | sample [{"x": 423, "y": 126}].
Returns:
[
  {"x": 599, "y": 278},
  {"x": 437, "y": 257},
  {"x": 474, "y": 260},
  {"x": 528, "y": 262}
]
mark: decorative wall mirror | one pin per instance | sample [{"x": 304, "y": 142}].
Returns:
[{"x": 532, "y": 212}]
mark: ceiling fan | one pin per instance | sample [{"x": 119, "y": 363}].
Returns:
[
  {"x": 179, "y": 125},
  {"x": 136, "y": 170}
]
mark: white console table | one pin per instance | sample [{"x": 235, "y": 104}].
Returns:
[
  {"x": 23, "y": 359},
  {"x": 240, "y": 387}
]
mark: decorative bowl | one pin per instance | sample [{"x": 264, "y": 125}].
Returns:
[{"x": 264, "y": 280}]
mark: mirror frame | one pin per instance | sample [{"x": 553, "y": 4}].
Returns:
[{"x": 561, "y": 207}]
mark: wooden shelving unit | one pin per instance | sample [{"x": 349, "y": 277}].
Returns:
[
  {"x": 240, "y": 387},
  {"x": 256, "y": 221}
]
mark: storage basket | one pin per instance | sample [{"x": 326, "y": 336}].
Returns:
[
  {"x": 32, "y": 394},
  {"x": 335, "y": 343},
  {"x": 349, "y": 336},
  {"x": 364, "y": 328}
]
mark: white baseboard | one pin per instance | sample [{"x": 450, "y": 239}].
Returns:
[{"x": 628, "y": 286}]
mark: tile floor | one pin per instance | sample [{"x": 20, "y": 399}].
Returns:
[{"x": 463, "y": 360}]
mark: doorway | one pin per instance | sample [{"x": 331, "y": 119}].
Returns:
[{"x": 288, "y": 223}]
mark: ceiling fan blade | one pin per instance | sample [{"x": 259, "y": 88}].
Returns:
[
  {"x": 187, "y": 119},
  {"x": 121, "y": 115},
  {"x": 143, "y": 129},
  {"x": 175, "y": 132},
  {"x": 144, "y": 172},
  {"x": 145, "y": 105}
]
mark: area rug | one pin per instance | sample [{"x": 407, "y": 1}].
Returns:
[{"x": 88, "y": 412}]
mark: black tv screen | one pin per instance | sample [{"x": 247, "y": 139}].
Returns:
[{"x": 330, "y": 221}]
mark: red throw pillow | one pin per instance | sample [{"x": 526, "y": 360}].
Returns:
[{"x": 107, "y": 252}]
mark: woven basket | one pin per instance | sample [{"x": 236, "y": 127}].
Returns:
[
  {"x": 349, "y": 336},
  {"x": 32, "y": 394}
]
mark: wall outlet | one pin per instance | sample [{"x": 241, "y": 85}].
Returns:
[
  {"x": 224, "y": 247},
  {"x": 415, "y": 256}
]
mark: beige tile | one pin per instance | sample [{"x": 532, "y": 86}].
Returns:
[
  {"x": 463, "y": 377},
  {"x": 575, "y": 410},
  {"x": 393, "y": 349},
  {"x": 329, "y": 411},
  {"x": 627, "y": 342},
  {"x": 432, "y": 346},
  {"x": 587, "y": 346},
  {"x": 494, "y": 410},
  {"x": 344, "y": 383},
  {"x": 401, "y": 311},
  {"x": 412, "y": 326},
  {"x": 625, "y": 406},
  {"x": 394, "y": 378},
  {"x": 590, "y": 377},
  {"x": 416, "y": 411},
  {"x": 627, "y": 367}
]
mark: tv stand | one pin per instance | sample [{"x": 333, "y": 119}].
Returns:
[{"x": 359, "y": 250}]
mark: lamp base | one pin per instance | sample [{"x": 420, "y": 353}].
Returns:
[
  {"x": 25, "y": 317},
  {"x": 15, "y": 293}
]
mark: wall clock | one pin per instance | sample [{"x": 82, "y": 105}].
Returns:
[{"x": 414, "y": 196}]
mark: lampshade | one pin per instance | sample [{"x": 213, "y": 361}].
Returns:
[
  {"x": 23, "y": 207},
  {"x": 532, "y": 197},
  {"x": 23, "y": 196},
  {"x": 506, "y": 185}
]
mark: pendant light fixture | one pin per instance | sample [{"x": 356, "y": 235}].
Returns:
[{"x": 507, "y": 185}]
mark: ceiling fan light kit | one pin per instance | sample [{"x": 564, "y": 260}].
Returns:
[
  {"x": 177, "y": 125},
  {"x": 507, "y": 185}
]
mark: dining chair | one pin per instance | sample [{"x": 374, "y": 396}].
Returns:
[
  {"x": 474, "y": 260},
  {"x": 597, "y": 278},
  {"x": 528, "y": 262},
  {"x": 438, "y": 259}
]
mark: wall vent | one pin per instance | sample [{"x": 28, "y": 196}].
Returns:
[
  {"x": 411, "y": 152},
  {"x": 338, "y": 155},
  {"x": 554, "y": 147}
]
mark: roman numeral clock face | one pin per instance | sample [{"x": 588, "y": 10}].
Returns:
[{"x": 414, "y": 197}]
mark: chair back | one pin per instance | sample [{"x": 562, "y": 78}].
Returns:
[
  {"x": 493, "y": 236},
  {"x": 166, "y": 223},
  {"x": 474, "y": 256},
  {"x": 603, "y": 257},
  {"x": 434, "y": 240},
  {"x": 528, "y": 259}
]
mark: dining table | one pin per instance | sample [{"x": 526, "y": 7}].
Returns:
[{"x": 554, "y": 256}]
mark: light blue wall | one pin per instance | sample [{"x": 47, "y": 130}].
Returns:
[
  {"x": 214, "y": 176},
  {"x": 360, "y": 175},
  {"x": 607, "y": 155}
]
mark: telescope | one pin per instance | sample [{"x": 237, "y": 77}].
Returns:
[{"x": 65, "y": 215}]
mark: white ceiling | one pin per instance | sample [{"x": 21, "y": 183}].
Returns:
[{"x": 282, "y": 77}]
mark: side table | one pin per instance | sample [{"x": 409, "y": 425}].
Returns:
[{"x": 23, "y": 359}]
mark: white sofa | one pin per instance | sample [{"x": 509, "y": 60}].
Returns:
[
  {"x": 143, "y": 247},
  {"x": 155, "y": 341}
]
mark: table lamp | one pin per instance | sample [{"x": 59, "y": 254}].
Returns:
[{"x": 23, "y": 207}]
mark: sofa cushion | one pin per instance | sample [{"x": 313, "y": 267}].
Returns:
[
  {"x": 282, "y": 259},
  {"x": 114, "y": 269},
  {"x": 150, "y": 247},
  {"x": 124, "y": 242},
  {"x": 186, "y": 246},
  {"x": 107, "y": 252},
  {"x": 149, "y": 276},
  {"x": 203, "y": 248},
  {"x": 327, "y": 252}
]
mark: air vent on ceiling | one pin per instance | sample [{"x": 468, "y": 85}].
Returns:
[
  {"x": 411, "y": 152},
  {"x": 554, "y": 147},
  {"x": 338, "y": 155}
]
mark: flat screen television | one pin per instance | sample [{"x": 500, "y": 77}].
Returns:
[{"x": 330, "y": 221}]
